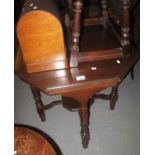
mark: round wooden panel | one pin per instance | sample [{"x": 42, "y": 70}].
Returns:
[{"x": 28, "y": 142}]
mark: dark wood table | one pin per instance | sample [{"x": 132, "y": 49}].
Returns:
[
  {"x": 29, "y": 142},
  {"x": 78, "y": 86}
]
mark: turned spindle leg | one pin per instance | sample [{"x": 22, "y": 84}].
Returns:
[
  {"x": 113, "y": 97},
  {"x": 85, "y": 98},
  {"x": 76, "y": 33},
  {"x": 104, "y": 11},
  {"x": 38, "y": 102},
  {"x": 84, "y": 117},
  {"x": 125, "y": 27}
]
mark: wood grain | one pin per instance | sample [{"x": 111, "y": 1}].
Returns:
[
  {"x": 28, "y": 142},
  {"x": 41, "y": 39}
]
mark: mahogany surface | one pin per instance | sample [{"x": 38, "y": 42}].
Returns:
[
  {"x": 99, "y": 44},
  {"x": 29, "y": 142},
  {"x": 55, "y": 82},
  {"x": 97, "y": 38}
]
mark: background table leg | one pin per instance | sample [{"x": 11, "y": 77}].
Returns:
[
  {"x": 113, "y": 97},
  {"x": 38, "y": 102}
]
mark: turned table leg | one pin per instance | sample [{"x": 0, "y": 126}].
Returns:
[
  {"x": 113, "y": 97},
  {"x": 84, "y": 98},
  {"x": 78, "y": 4},
  {"x": 125, "y": 27},
  {"x": 38, "y": 102},
  {"x": 104, "y": 12},
  {"x": 84, "y": 117}
]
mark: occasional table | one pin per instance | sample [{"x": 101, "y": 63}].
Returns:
[{"x": 79, "y": 87}]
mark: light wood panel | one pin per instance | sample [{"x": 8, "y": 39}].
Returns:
[{"x": 41, "y": 39}]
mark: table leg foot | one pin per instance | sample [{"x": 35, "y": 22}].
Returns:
[
  {"x": 113, "y": 97},
  {"x": 85, "y": 136},
  {"x": 84, "y": 116},
  {"x": 42, "y": 116}
]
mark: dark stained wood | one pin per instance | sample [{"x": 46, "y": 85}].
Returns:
[
  {"x": 132, "y": 73},
  {"x": 104, "y": 11},
  {"x": 56, "y": 82},
  {"x": 70, "y": 103},
  {"x": 70, "y": 7},
  {"x": 75, "y": 33},
  {"x": 38, "y": 102},
  {"x": 101, "y": 55},
  {"x": 52, "y": 104},
  {"x": 125, "y": 27},
  {"x": 102, "y": 31},
  {"x": 96, "y": 38},
  {"x": 39, "y": 105},
  {"x": 113, "y": 97},
  {"x": 29, "y": 142},
  {"x": 73, "y": 105},
  {"x": 92, "y": 21},
  {"x": 99, "y": 44},
  {"x": 51, "y": 82}
]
